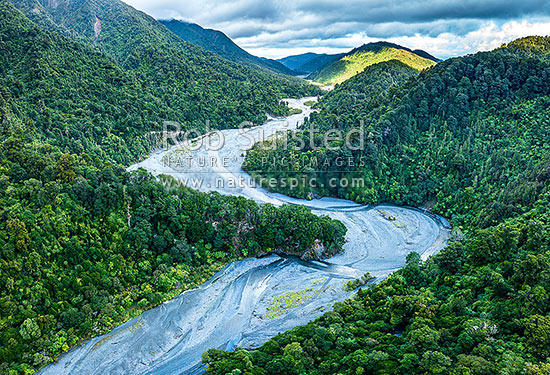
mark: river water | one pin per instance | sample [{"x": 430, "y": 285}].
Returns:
[{"x": 252, "y": 300}]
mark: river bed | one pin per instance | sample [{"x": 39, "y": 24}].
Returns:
[{"x": 252, "y": 300}]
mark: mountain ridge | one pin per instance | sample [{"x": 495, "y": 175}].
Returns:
[
  {"x": 219, "y": 43},
  {"x": 368, "y": 54},
  {"x": 384, "y": 44},
  {"x": 309, "y": 62},
  {"x": 294, "y": 61}
]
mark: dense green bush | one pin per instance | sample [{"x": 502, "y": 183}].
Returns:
[
  {"x": 86, "y": 245},
  {"x": 468, "y": 138},
  {"x": 107, "y": 96}
]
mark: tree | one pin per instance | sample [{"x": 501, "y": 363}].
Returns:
[
  {"x": 29, "y": 330},
  {"x": 64, "y": 168},
  {"x": 537, "y": 331}
]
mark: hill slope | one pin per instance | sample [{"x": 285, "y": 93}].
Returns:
[
  {"x": 85, "y": 245},
  {"x": 221, "y": 44},
  {"x": 73, "y": 96},
  {"x": 469, "y": 138},
  {"x": 359, "y": 58},
  {"x": 198, "y": 85},
  {"x": 320, "y": 62},
  {"x": 372, "y": 84}
]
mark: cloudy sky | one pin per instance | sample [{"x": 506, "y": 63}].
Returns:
[{"x": 278, "y": 28}]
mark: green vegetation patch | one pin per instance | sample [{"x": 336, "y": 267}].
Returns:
[
  {"x": 356, "y": 61},
  {"x": 282, "y": 304},
  {"x": 363, "y": 280}
]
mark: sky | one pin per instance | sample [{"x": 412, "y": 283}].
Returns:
[{"x": 279, "y": 28}]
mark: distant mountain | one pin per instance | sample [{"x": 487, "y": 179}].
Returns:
[
  {"x": 218, "y": 42},
  {"x": 426, "y": 55},
  {"x": 359, "y": 58},
  {"x": 308, "y": 62},
  {"x": 320, "y": 62},
  {"x": 296, "y": 61}
]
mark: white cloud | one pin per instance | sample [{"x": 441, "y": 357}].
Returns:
[
  {"x": 485, "y": 38},
  {"x": 444, "y": 45}
]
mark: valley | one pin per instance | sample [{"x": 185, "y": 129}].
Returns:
[
  {"x": 365, "y": 188},
  {"x": 239, "y": 306}
]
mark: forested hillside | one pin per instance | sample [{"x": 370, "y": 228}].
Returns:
[
  {"x": 358, "y": 59},
  {"x": 468, "y": 138},
  {"x": 342, "y": 108},
  {"x": 154, "y": 74},
  {"x": 76, "y": 98},
  {"x": 462, "y": 131},
  {"x": 84, "y": 244},
  {"x": 221, "y": 44}
]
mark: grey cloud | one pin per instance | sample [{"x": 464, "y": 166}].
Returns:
[
  {"x": 339, "y": 30},
  {"x": 333, "y": 23},
  {"x": 375, "y": 11},
  {"x": 246, "y": 10},
  {"x": 432, "y": 29}
]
